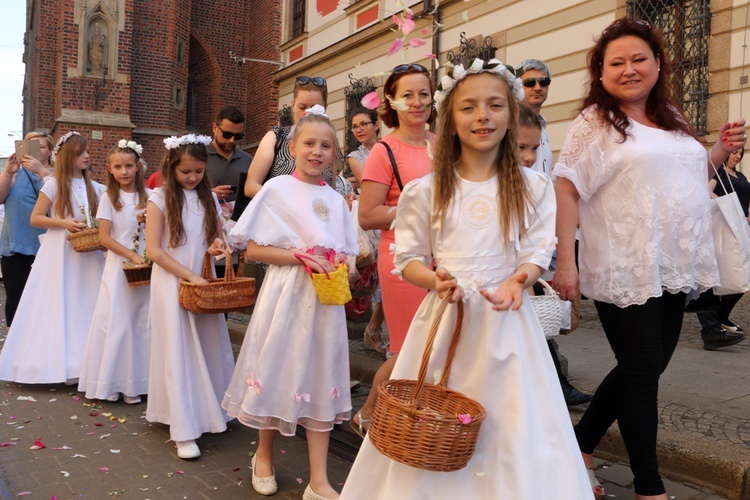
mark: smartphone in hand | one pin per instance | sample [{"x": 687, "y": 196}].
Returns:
[{"x": 28, "y": 148}]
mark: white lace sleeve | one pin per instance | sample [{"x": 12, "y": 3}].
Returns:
[{"x": 583, "y": 159}]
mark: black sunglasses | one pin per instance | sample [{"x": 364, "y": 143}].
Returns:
[
  {"x": 401, "y": 68},
  {"x": 531, "y": 82},
  {"x": 318, "y": 81},
  {"x": 228, "y": 135}
]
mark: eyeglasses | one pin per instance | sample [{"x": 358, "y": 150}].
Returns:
[
  {"x": 318, "y": 81},
  {"x": 228, "y": 135},
  {"x": 531, "y": 82},
  {"x": 402, "y": 68},
  {"x": 360, "y": 126}
]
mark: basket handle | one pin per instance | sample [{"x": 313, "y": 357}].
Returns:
[
  {"x": 431, "y": 341},
  {"x": 228, "y": 269},
  {"x": 302, "y": 256},
  {"x": 548, "y": 287}
]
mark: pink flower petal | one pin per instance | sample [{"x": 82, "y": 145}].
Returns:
[
  {"x": 395, "y": 47},
  {"x": 396, "y": 20},
  {"x": 417, "y": 42},
  {"x": 2, "y": 445},
  {"x": 371, "y": 100},
  {"x": 431, "y": 56},
  {"x": 463, "y": 418},
  {"x": 38, "y": 445},
  {"x": 425, "y": 31},
  {"x": 408, "y": 26},
  {"x": 104, "y": 469},
  {"x": 299, "y": 480},
  {"x": 180, "y": 471}
]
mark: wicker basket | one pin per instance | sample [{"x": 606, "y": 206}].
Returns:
[
  {"x": 219, "y": 295},
  {"x": 332, "y": 288},
  {"x": 548, "y": 309},
  {"x": 138, "y": 275},
  {"x": 417, "y": 424},
  {"x": 86, "y": 240}
]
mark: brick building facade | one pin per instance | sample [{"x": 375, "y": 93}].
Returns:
[{"x": 144, "y": 69}]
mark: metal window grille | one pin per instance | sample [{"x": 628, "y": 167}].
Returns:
[
  {"x": 686, "y": 26},
  {"x": 298, "y": 18},
  {"x": 354, "y": 94}
]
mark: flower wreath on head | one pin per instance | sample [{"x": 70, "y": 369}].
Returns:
[
  {"x": 175, "y": 142},
  {"x": 317, "y": 109},
  {"x": 132, "y": 145},
  {"x": 62, "y": 140},
  {"x": 458, "y": 73}
]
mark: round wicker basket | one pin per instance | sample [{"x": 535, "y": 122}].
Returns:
[{"x": 86, "y": 240}]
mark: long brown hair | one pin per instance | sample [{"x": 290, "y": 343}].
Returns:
[
  {"x": 175, "y": 198},
  {"x": 661, "y": 106},
  {"x": 512, "y": 192},
  {"x": 113, "y": 187},
  {"x": 65, "y": 162}
]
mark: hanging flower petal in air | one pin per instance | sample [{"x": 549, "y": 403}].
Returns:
[
  {"x": 425, "y": 31},
  {"x": 398, "y": 44},
  {"x": 396, "y": 20},
  {"x": 430, "y": 56},
  {"x": 371, "y": 100},
  {"x": 417, "y": 42},
  {"x": 408, "y": 25}
]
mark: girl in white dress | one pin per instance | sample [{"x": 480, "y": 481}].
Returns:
[
  {"x": 191, "y": 355},
  {"x": 119, "y": 342},
  {"x": 294, "y": 364},
  {"x": 48, "y": 336},
  {"x": 490, "y": 226}
]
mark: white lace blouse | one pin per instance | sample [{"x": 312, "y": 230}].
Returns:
[{"x": 644, "y": 211}]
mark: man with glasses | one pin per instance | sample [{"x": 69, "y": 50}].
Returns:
[
  {"x": 225, "y": 158},
  {"x": 536, "y": 77}
]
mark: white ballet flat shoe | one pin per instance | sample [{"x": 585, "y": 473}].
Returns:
[
  {"x": 114, "y": 397},
  {"x": 187, "y": 449},
  {"x": 311, "y": 495},
  {"x": 264, "y": 485},
  {"x": 131, "y": 400}
]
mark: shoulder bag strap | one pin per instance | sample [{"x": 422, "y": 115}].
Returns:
[{"x": 393, "y": 165}]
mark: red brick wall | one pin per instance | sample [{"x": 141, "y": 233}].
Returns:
[{"x": 148, "y": 69}]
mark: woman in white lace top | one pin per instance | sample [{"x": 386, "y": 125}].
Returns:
[{"x": 633, "y": 175}]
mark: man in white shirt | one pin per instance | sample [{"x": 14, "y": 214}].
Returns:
[{"x": 536, "y": 78}]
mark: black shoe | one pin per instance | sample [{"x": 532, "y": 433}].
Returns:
[
  {"x": 720, "y": 338},
  {"x": 574, "y": 397}
]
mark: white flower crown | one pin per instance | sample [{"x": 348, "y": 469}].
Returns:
[
  {"x": 317, "y": 109},
  {"x": 458, "y": 73},
  {"x": 62, "y": 141},
  {"x": 175, "y": 142},
  {"x": 126, "y": 144}
]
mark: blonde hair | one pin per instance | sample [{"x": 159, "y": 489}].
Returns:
[{"x": 512, "y": 192}]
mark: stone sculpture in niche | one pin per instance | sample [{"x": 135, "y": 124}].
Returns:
[{"x": 96, "y": 50}]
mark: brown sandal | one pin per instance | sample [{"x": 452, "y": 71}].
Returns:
[
  {"x": 375, "y": 340},
  {"x": 360, "y": 427}
]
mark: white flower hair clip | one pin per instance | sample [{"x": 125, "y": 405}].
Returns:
[
  {"x": 175, "y": 142},
  {"x": 126, "y": 144},
  {"x": 317, "y": 110},
  {"x": 458, "y": 73},
  {"x": 62, "y": 140}
]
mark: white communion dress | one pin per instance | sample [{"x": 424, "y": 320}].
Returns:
[
  {"x": 46, "y": 342},
  {"x": 294, "y": 364},
  {"x": 191, "y": 354},
  {"x": 119, "y": 342},
  {"x": 526, "y": 447}
]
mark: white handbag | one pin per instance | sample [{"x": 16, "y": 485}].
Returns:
[
  {"x": 731, "y": 242},
  {"x": 549, "y": 310}
]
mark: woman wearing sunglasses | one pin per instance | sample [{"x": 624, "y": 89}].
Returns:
[
  {"x": 407, "y": 109},
  {"x": 273, "y": 158}
]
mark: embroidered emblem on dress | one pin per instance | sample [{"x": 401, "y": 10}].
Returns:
[
  {"x": 195, "y": 206},
  {"x": 479, "y": 211},
  {"x": 320, "y": 209}
]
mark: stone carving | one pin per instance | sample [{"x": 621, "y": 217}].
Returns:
[{"x": 96, "y": 50}]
